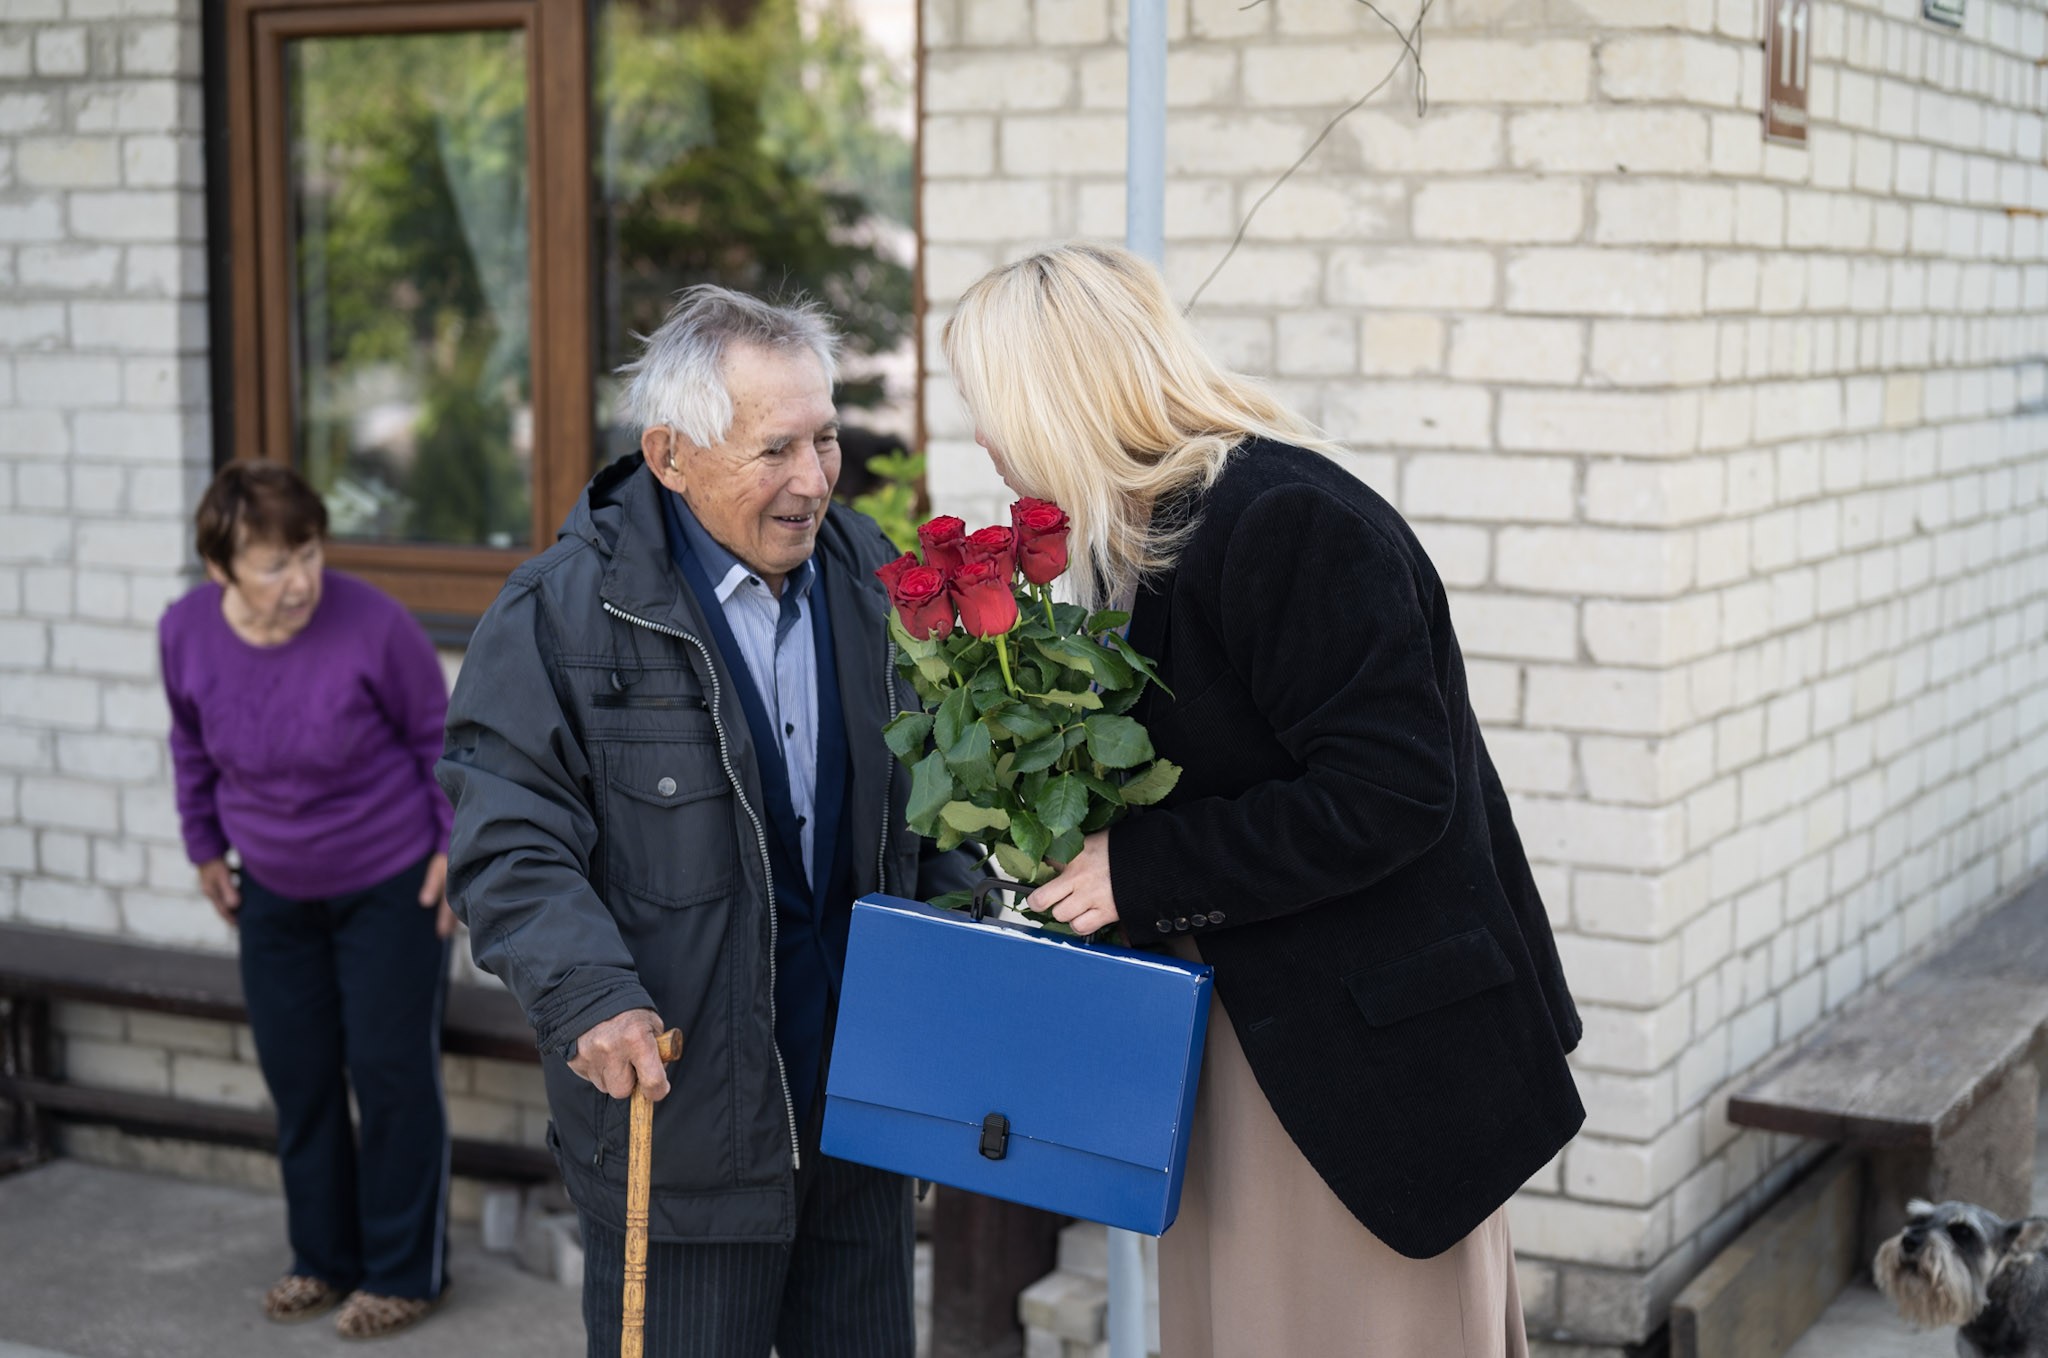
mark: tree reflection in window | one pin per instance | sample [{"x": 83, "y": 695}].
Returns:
[
  {"x": 764, "y": 147},
  {"x": 409, "y": 192}
]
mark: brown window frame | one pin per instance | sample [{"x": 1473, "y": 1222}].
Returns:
[{"x": 450, "y": 584}]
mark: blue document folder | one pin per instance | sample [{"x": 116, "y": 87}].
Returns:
[{"x": 1015, "y": 1063}]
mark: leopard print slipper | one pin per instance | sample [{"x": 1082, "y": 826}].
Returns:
[
  {"x": 371, "y": 1315},
  {"x": 296, "y": 1297}
]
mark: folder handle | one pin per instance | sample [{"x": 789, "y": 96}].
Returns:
[{"x": 979, "y": 909}]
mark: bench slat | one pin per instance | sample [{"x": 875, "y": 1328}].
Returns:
[
  {"x": 1906, "y": 1068},
  {"x": 61, "y": 965}
]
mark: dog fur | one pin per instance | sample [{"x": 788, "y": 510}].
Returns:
[{"x": 1958, "y": 1264}]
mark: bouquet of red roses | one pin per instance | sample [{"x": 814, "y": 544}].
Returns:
[{"x": 1024, "y": 744}]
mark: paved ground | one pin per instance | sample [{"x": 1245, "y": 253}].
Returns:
[{"x": 109, "y": 1263}]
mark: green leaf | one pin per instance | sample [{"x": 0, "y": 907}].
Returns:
[
  {"x": 1104, "y": 791},
  {"x": 1108, "y": 620},
  {"x": 1065, "y": 848},
  {"x": 1012, "y": 861},
  {"x": 1071, "y": 617},
  {"x": 1029, "y": 836},
  {"x": 1062, "y": 651},
  {"x": 908, "y": 644},
  {"x": 1042, "y": 753},
  {"x": 1153, "y": 784},
  {"x": 973, "y": 747},
  {"x": 967, "y": 817},
  {"x": 1122, "y": 701},
  {"x": 1084, "y": 698},
  {"x": 1137, "y": 661},
  {"x": 1063, "y": 804},
  {"x": 949, "y": 839},
  {"x": 1074, "y": 737},
  {"x": 907, "y": 734},
  {"x": 1023, "y": 723},
  {"x": 931, "y": 787},
  {"x": 1117, "y": 742},
  {"x": 1110, "y": 670},
  {"x": 1102, "y": 815},
  {"x": 955, "y": 715},
  {"x": 934, "y": 669},
  {"x": 953, "y": 900}
]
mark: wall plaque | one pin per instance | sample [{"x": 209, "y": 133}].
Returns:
[{"x": 1948, "y": 12}]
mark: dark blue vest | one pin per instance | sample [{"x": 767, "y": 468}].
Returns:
[{"x": 811, "y": 918}]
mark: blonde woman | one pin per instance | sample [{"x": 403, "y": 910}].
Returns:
[{"x": 1339, "y": 848}]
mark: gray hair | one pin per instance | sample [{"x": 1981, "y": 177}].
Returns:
[{"x": 679, "y": 378}]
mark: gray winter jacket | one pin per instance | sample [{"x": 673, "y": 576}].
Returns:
[{"x": 610, "y": 849}]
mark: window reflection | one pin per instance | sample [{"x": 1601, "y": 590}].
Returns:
[
  {"x": 767, "y": 147},
  {"x": 411, "y": 336}
]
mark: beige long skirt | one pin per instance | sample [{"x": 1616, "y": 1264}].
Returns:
[{"x": 1265, "y": 1262}]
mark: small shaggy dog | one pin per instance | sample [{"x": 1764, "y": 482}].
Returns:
[{"x": 1957, "y": 1264}]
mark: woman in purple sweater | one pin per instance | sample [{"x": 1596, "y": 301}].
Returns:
[{"x": 306, "y": 716}]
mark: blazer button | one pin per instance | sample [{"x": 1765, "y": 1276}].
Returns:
[
  {"x": 1164, "y": 926},
  {"x": 1181, "y": 924},
  {"x": 666, "y": 787},
  {"x": 1215, "y": 917},
  {"x": 1198, "y": 920}
]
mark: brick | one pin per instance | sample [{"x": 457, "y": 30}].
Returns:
[
  {"x": 955, "y": 82},
  {"x": 85, "y": 648},
  {"x": 32, "y": 219},
  {"x": 67, "y": 803},
  {"x": 1255, "y": 275},
  {"x": 1457, "y": 141},
  {"x": 1516, "y": 349},
  {"x": 1394, "y": 345},
  {"x": 138, "y": 327},
  {"x": 136, "y": 215},
  {"x": 1520, "y": 212},
  {"x": 1412, "y": 279},
  {"x": 1665, "y": 212},
  {"x": 1559, "y": 1228},
  {"x": 1605, "y": 282},
  {"x": 1609, "y": 140},
  {"x": 67, "y": 267},
  {"x": 1593, "y": 561},
  {"x": 160, "y": 49},
  {"x": 1515, "y": 626},
  {"x": 184, "y": 920},
  {"x": 1308, "y": 207},
  {"x": 26, "y": 113},
  {"x": 1660, "y": 424},
  {"x": 1528, "y": 761},
  {"x": 1671, "y": 68},
  {"x": 61, "y": 51},
  {"x": 1410, "y": 415},
  {"x": 68, "y": 162},
  {"x": 114, "y": 1065},
  {"x": 994, "y": 22},
  {"x": 1239, "y": 143},
  {"x": 958, "y": 146},
  {"x": 1316, "y": 344},
  {"x": 1654, "y": 494},
  {"x": 175, "y": 1032},
  {"x": 1464, "y": 486},
  {"x": 112, "y": 758},
  {"x": 1622, "y": 702},
  {"x": 1318, "y": 75},
  {"x": 1654, "y": 353},
  {"x": 206, "y": 1079},
  {"x": 1506, "y": 71},
  {"x": 1063, "y": 144},
  {"x": 1227, "y": 19}
]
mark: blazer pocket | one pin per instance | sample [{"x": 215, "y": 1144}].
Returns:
[{"x": 1453, "y": 969}]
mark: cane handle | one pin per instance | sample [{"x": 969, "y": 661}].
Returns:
[{"x": 639, "y": 1179}]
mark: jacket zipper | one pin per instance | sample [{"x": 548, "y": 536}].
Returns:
[
  {"x": 760, "y": 840},
  {"x": 889, "y": 777}
]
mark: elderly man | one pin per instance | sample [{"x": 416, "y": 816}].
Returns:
[{"x": 669, "y": 781}]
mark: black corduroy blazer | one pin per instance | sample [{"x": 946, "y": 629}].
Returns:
[{"x": 1341, "y": 851}]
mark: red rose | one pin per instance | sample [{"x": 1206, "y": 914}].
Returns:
[
  {"x": 997, "y": 546},
  {"x": 941, "y": 539},
  {"x": 1041, "y": 528},
  {"x": 919, "y": 593},
  {"x": 893, "y": 572},
  {"x": 981, "y": 591}
]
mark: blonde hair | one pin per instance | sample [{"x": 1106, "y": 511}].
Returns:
[{"x": 1097, "y": 394}]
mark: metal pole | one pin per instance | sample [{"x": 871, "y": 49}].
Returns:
[
  {"x": 1145, "y": 162},
  {"x": 1144, "y": 234}
]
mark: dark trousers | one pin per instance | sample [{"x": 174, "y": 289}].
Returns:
[
  {"x": 842, "y": 1289},
  {"x": 346, "y": 993}
]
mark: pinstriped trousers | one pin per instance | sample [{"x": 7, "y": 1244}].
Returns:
[{"x": 842, "y": 1289}]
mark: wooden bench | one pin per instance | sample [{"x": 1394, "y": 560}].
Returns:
[
  {"x": 41, "y": 966},
  {"x": 1931, "y": 1089}
]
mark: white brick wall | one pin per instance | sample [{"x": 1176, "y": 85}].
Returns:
[{"x": 1733, "y": 455}]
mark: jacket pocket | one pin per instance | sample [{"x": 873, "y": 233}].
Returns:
[
  {"x": 1453, "y": 969},
  {"x": 668, "y": 823}
]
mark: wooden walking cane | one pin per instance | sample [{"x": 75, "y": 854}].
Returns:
[{"x": 639, "y": 1181}]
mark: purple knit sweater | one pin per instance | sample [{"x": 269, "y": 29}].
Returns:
[{"x": 314, "y": 758}]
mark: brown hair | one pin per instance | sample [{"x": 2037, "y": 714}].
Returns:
[{"x": 256, "y": 501}]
